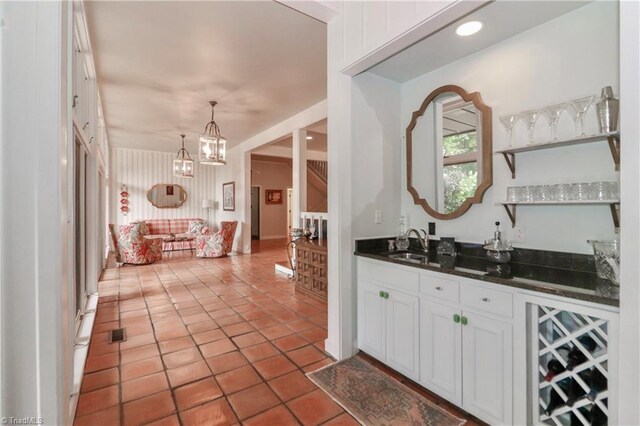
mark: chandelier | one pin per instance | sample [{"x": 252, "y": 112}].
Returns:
[
  {"x": 212, "y": 143},
  {"x": 183, "y": 164}
]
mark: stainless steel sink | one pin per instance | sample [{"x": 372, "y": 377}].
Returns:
[{"x": 410, "y": 257}]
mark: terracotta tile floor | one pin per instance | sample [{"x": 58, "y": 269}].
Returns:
[{"x": 209, "y": 342}]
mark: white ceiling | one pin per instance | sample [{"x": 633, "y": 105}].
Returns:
[
  {"x": 159, "y": 63},
  {"x": 502, "y": 19}
]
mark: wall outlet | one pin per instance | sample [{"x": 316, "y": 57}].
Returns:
[
  {"x": 432, "y": 228},
  {"x": 377, "y": 217},
  {"x": 519, "y": 234}
]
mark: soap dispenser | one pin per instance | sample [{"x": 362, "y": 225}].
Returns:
[{"x": 402, "y": 241}]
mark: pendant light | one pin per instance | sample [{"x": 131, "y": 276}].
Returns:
[
  {"x": 183, "y": 164},
  {"x": 212, "y": 143}
]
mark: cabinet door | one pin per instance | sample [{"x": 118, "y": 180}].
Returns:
[
  {"x": 487, "y": 368},
  {"x": 403, "y": 349},
  {"x": 441, "y": 350},
  {"x": 371, "y": 319}
]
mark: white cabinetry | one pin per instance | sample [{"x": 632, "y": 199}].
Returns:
[
  {"x": 441, "y": 350},
  {"x": 466, "y": 347},
  {"x": 388, "y": 322},
  {"x": 487, "y": 368}
]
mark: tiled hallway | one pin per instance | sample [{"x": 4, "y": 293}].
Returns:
[{"x": 209, "y": 341}]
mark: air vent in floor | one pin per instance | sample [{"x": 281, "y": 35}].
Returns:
[{"x": 118, "y": 335}]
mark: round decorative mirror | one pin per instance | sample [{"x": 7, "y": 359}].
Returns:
[
  {"x": 449, "y": 158},
  {"x": 167, "y": 195}
]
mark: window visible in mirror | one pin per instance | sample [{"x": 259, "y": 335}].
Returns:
[{"x": 460, "y": 171}]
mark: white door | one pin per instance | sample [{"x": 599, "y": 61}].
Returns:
[
  {"x": 441, "y": 350},
  {"x": 487, "y": 368},
  {"x": 371, "y": 319},
  {"x": 403, "y": 348}
]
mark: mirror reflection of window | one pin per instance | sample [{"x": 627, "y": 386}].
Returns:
[{"x": 460, "y": 124}]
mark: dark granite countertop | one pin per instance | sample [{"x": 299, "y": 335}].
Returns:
[{"x": 561, "y": 274}]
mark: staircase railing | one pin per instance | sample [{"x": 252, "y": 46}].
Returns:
[{"x": 320, "y": 168}]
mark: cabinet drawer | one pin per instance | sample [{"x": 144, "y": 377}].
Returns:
[
  {"x": 391, "y": 276},
  {"x": 439, "y": 287},
  {"x": 490, "y": 300}
]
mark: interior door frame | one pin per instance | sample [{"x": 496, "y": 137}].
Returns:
[{"x": 259, "y": 210}]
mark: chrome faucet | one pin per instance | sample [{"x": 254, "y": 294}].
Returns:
[{"x": 422, "y": 239}]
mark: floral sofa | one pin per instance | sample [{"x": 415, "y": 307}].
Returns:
[
  {"x": 218, "y": 244},
  {"x": 163, "y": 228},
  {"x": 132, "y": 247}
]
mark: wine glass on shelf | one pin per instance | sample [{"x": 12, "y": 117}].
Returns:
[
  {"x": 553, "y": 113},
  {"x": 580, "y": 107},
  {"x": 531, "y": 117},
  {"x": 508, "y": 121}
]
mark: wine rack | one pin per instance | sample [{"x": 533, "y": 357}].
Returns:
[{"x": 572, "y": 363}]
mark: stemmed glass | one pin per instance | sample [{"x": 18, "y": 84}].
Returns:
[
  {"x": 508, "y": 121},
  {"x": 580, "y": 106},
  {"x": 531, "y": 117},
  {"x": 553, "y": 113}
]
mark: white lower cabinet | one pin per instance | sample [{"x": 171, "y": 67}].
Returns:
[
  {"x": 388, "y": 327},
  {"x": 487, "y": 373},
  {"x": 371, "y": 321},
  {"x": 441, "y": 350},
  {"x": 466, "y": 358}
]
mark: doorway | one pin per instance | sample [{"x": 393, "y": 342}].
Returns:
[{"x": 255, "y": 212}]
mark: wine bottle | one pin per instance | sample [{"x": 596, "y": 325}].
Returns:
[
  {"x": 555, "y": 400},
  {"x": 576, "y": 391},
  {"x": 575, "y": 421},
  {"x": 554, "y": 367},
  {"x": 598, "y": 417},
  {"x": 576, "y": 356},
  {"x": 597, "y": 382}
]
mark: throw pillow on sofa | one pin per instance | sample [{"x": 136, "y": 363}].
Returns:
[{"x": 196, "y": 227}]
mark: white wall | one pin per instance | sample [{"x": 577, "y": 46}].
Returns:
[
  {"x": 140, "y": 170},
  {"x": 376, "y": 145},
  {"x": 36, "y": 346},
  {"x": 555, "y": 62}
]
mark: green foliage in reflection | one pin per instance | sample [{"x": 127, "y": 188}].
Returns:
[
  {"x": 460, "y": 180},
  {"x": 459, "y": 144}
]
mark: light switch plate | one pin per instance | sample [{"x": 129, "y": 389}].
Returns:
[{"x": 378, "y": 217}]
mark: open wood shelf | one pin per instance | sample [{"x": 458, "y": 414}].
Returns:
[
  {"x": 612, "y": 138},
  {"x": 614, "y": 206}
]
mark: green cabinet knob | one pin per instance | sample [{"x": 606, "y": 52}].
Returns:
[
  {"x": 456, "y": 318},
  {"x": 386, "y": 295},
  {"x": 464, "y": 320},
  {"x": 381, "y": 293}
]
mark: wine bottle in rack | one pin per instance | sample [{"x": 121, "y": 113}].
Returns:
[
  {"x": 597, "y": 416},
  {"x": 554, "y": 367},
  {"x": 597, "y": 382},
  {"x": 576, "y": 356},
  {"x": 576, "y": 391},
  {"x": 555, "y": 401}
]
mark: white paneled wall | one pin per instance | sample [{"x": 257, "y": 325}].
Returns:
[{"x": 140, "y": 170}]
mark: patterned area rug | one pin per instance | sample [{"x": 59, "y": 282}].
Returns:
[{"x": 377, "y": 399}]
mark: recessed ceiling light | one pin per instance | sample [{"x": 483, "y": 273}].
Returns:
[
  {"x": 309, "y": 138},
  {"x": 469, "y": 28}
]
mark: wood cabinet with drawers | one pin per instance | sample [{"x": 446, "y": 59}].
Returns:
[{"x": 311, "y": 267}]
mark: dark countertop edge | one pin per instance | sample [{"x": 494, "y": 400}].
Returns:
[{"x": 507, "y": 282}]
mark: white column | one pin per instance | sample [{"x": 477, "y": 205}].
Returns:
[
  {"x": 629, "y": 378},
  {"x": 299, "y": 174}
]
